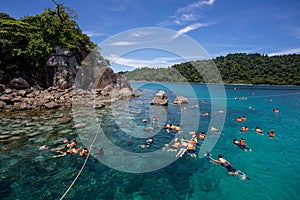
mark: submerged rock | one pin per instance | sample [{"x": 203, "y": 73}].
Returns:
[{"x": 160, "y": 99}]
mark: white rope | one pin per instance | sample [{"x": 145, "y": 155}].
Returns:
[{"x": 83, "y": 166}]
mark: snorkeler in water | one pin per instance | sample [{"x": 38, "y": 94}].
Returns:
[
  {"x": 241, "y": 144},
  {"x": 231, "y": 170},
  {"x": 147, "y": 143},
  {"x": 51, "y": 146}
]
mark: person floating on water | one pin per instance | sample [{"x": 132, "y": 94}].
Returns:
[
  {"x": 239, "y": 119},
  {"x": 271, "y": 133},
  {"x": 67, "y": 146},
  {"x": 84, "y": 152},
  {"x": 206, "y": 114},
  {"x": 275, "y": 110},
  {"x": 202, "y": 136},
  {"x": 56, "y": 144},
  {"x": 244, "y": 129},
  {"x": 183, "y": 145},
  {"x": 231, "y": 170},
  {"x": 241, "y": 144},
  {"x": 258, "y": 130},
  {"x": 243, "y": 118},
  {"x": 191, "y": 149},
  {"x": 147, "y": 143}
]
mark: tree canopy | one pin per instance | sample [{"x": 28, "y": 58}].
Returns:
[
  {"x": 239, "y": 68},
  {"x": 27, "y": 43}
]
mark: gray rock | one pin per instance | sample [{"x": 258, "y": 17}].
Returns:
[
  {"x": 2, "y": 105},
  {"x": 51, "y": 105},
  {"x": 181, "y": 100},
  {"x": 19, "y": 83},
  {"x": 63, "y": 120},
  {"x": 160, "y": 99}
]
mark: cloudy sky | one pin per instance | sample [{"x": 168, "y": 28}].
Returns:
[{"x": 219, "y": 26}]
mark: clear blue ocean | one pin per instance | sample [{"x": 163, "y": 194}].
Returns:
[{"x": 272, "y": 165}]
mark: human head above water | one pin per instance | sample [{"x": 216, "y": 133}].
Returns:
[{"x": 220, "y": 156}]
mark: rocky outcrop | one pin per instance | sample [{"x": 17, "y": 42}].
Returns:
[
  {"x": 160, "y": 99},
  {"x": 111, "y": 87},
  {"x": 64, "y": 79},
  {"x": 181, "y": 100},
  {"x": 60, "y": 69}
]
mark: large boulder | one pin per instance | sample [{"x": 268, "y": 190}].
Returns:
[
  {"x": 181, "y": 100},
  {"x": 160, "y": 99},
  {"x": 19, "y": 83}
]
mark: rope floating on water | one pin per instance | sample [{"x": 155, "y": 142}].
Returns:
[{"x": 83, "y": 166}]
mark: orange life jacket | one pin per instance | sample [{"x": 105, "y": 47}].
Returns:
[
  {"x": 244, "y": 129},
  {"x": 202, "y": 136},
  {"x": 190, "y": 146},
  {"x": 84, "y": 152},
  {"x": 271, "y": 134},
  {"x": 243, "y": 118},
  {"x": 239, "y": 119},
  {"x": 242, "y": 143}
]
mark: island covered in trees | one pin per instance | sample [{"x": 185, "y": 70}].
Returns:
[{"x": 238, "y": 68}]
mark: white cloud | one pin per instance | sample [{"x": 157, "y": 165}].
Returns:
[
  {"x": 138, "y": 63},
  {"x": 187, "y": 13},
  {"x": 93, "y": 34},
  {"x": 190, "y": 28},
  {"x": 289, "y": 51},
  {"x": 122, "y": 43},
  {"x": 196, "y": 5}
]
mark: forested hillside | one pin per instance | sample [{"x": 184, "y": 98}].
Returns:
[{"x": 234, "y": 68}]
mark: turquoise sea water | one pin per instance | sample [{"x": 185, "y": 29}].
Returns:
[{"x": 273, "y": 164}]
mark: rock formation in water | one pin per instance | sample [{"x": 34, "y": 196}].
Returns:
[
  {"x": 160, "y": 99},
  {"x": 181, "y": 100}
]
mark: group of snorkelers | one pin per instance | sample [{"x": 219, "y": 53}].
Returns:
[
  {"x": 185, "y": 145},
  {"x": 258, "y": 130},
  {"x": 65, "y": 147}
]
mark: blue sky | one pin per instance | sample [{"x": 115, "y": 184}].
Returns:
[{"x": 220, "y": 26}]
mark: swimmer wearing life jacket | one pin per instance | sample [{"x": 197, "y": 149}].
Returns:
[
  {"x": 241, "y": 144},
  {"x": 84, "y": 152},
  {"x": 191, "y": 149},
  {"x": 258, "y": 130},
  {"x": 244, "y": 129},
  {"x": 239, "y": 119},
  {"x": 275, "y": 110},
  {"x": 243, "y": 118},
  {"x": 271, "y": 134},
  {"x": 202, "y": 136},
  {"x": 56, "y": 145},
  {"x": 206, "y": 114},
  {"x": 71, "y": 145},
  {"x": 73, "y": 150},
  {"x": 147, "y": 143},
  {"x": 168, "y": 126}
]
